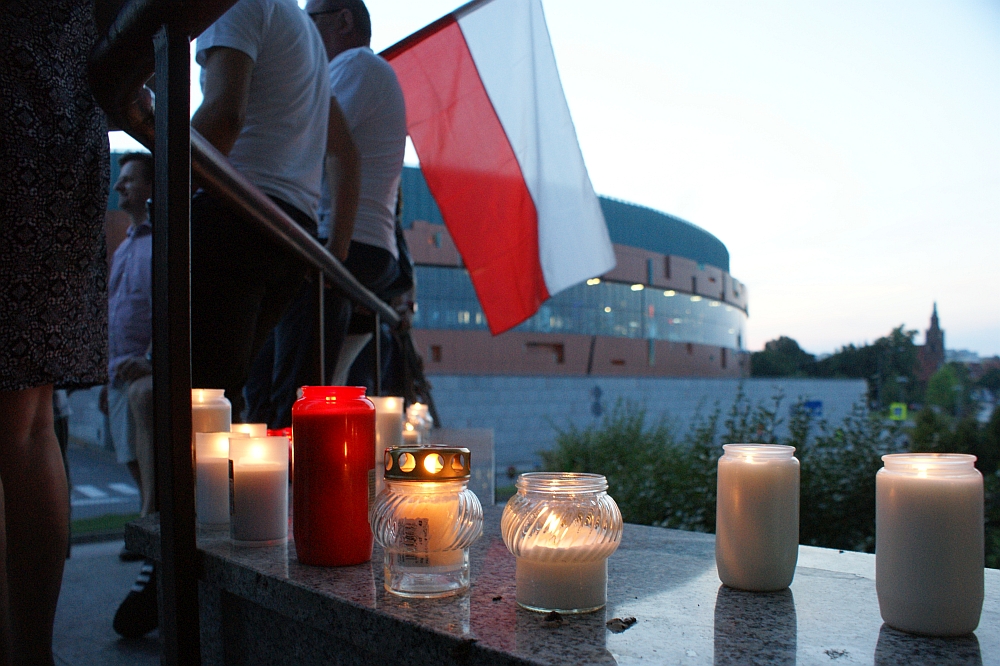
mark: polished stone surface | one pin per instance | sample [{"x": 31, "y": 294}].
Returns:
[{"x": 666, "y": 579}]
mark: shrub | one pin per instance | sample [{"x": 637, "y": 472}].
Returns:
[{"x": 660, "y": 480}]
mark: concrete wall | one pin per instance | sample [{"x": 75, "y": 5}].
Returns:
[{"x": 522, "y": 411}]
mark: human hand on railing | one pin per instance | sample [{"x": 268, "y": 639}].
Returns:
[
  {"x": 339, "y": 247},
  {"x": 134, "y": 368},
  {"x": 102, "y": 400}
]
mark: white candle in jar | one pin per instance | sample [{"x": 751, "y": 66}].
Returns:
[
  {"x": 428, "y": 518},
  {"x": 388, "y": 432},
  {"x": 212, "y": 477},
  {"x": 258, "y": 490},
  {"x": 929, "y": 553},
  {"x": 210, "y": 412},
  {"x": 561, "y": 580},
  {"x": 561, "y": 527},
  {"x": 251, "y": 429},
  {"x": 757, "y": 517},
  {"x": 411, "y": 436}
]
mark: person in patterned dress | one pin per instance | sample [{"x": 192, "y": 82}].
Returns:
[{"x": 53, "y": 295}]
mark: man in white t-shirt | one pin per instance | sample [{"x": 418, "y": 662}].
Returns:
[
  {"x": 368, "y": 122},
  {"x": 266, "y": 107}
]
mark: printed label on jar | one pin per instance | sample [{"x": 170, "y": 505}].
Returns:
[
  {"x": 371, "y": 489},
  {"x": 415, "y": 539}
]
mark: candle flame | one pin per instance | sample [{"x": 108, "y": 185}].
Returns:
[
  {"x": 257, "y": 452},
  {"x": 408, "y": 426},
  {"x": 433, "y": 463},
  {"x": 551, "y": 523},
  {"x": 922, "y": 471},
  {"x": 390, "y": 403},
  {"x": 750, "y": 458}
]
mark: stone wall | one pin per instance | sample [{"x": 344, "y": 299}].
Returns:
[{"x": 524, "y": 411}]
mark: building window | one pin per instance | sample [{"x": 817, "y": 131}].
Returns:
[
  {"x": 618, "y": 361},
  {"x": 723, "y": 357},
  {"x": 556, "y": 350},
  {"x": 437, "y": 239},
  {"x": 666, "y": 266},
  {"x": 690, "y": 348},
  {"x": 694, "y": 284},
  {"x": 436, "y": 353}
]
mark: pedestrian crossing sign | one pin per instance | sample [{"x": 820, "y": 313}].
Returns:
[{"x": 897, "y": 411}]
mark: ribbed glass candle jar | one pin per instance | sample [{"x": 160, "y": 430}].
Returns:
[
  {"x": 425, "y": 519},
  {"x": 562, "y": 527},
  {"x": 929, "y": 554}
]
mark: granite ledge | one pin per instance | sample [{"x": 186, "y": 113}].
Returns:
[{"x": 664, "y": 578}]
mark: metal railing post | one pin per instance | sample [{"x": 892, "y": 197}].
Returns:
[
  {"x": 179, "y": 560},
  {"x": 321, "y": 328},
  {"x": 378, "y": 356}
]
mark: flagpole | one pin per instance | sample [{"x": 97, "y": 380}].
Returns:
[{"x": 431, "y": 29}]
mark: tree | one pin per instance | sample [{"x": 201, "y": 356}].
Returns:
[
  {"x": 782, "y": 358},
  {"x": 950, "y": 389},
  {"x": 889, "y": 365},
  {"x": 991, "y": 382}
]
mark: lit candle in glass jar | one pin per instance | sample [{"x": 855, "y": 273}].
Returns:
[
  {"x": 258, "y": 490},
  {"x": 334, "y": 484},
  {"x": 388, "y": 431},
  {"x": 212, "y": 474},
  {"x": 562, "y": 527},
  {"x": 419, "y": 416},
  {"x": 929, "y": 552},
  {"x": 210, "y": 412},
  {"x": 251, "y": 429},
  {"x": 425, "y": 519},
  {"x": 411, "y": 436},
  {"x": 757, "y": 517}
]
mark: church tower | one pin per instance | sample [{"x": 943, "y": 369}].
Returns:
[{"x": 931, "y": 354}]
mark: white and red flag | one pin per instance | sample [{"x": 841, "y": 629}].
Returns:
[{"x": 487, "y": 115}]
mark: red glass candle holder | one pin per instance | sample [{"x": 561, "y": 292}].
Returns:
[{"x": 333, "y": 483}]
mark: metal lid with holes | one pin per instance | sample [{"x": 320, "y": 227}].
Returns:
[{"x": 427, "y": 463}]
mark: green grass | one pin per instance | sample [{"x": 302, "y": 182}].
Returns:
[
  {"x": 504, "y": 493},
  {"x": 112, "y": 522}
]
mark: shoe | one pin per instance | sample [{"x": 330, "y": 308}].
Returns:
[
  {"x": 126, "y": 555},
  {"x": 138, "y": 614}
]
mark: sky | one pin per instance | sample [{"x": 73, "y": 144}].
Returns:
[{"x": 847, "y": 153}]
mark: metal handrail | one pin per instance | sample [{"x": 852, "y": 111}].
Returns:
[
  {"x": 120, "y": 65},
  {"x": 155, "y": 34}
]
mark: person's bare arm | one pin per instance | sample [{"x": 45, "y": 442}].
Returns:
[
  {"x": 227, "y": 88},
  {"x": 340, "y": 149}
]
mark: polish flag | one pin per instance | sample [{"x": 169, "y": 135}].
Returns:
[{"x": 487, "y": 115}]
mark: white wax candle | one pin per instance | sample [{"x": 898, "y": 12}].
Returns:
[
  {"x": 212, "y": 491},
  {"x": 212, "y": 476},
  {"x": 427, "y": 521},
  {"x": 210, "y": 411},
  {"x": 388, "y": 432},
  {"x": 757, "y": 517},
  {"x": 251, "y": 429},
  {"x": 929, "y": 553},
  {"x": 411, "y": 436},
  {"x": 258, "y": 501},
  {"x": 564, "y": 586}
]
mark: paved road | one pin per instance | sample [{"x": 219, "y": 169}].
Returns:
[
  {"x": 100, "y": 485},
  {"x": 94, "y": 583}
]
